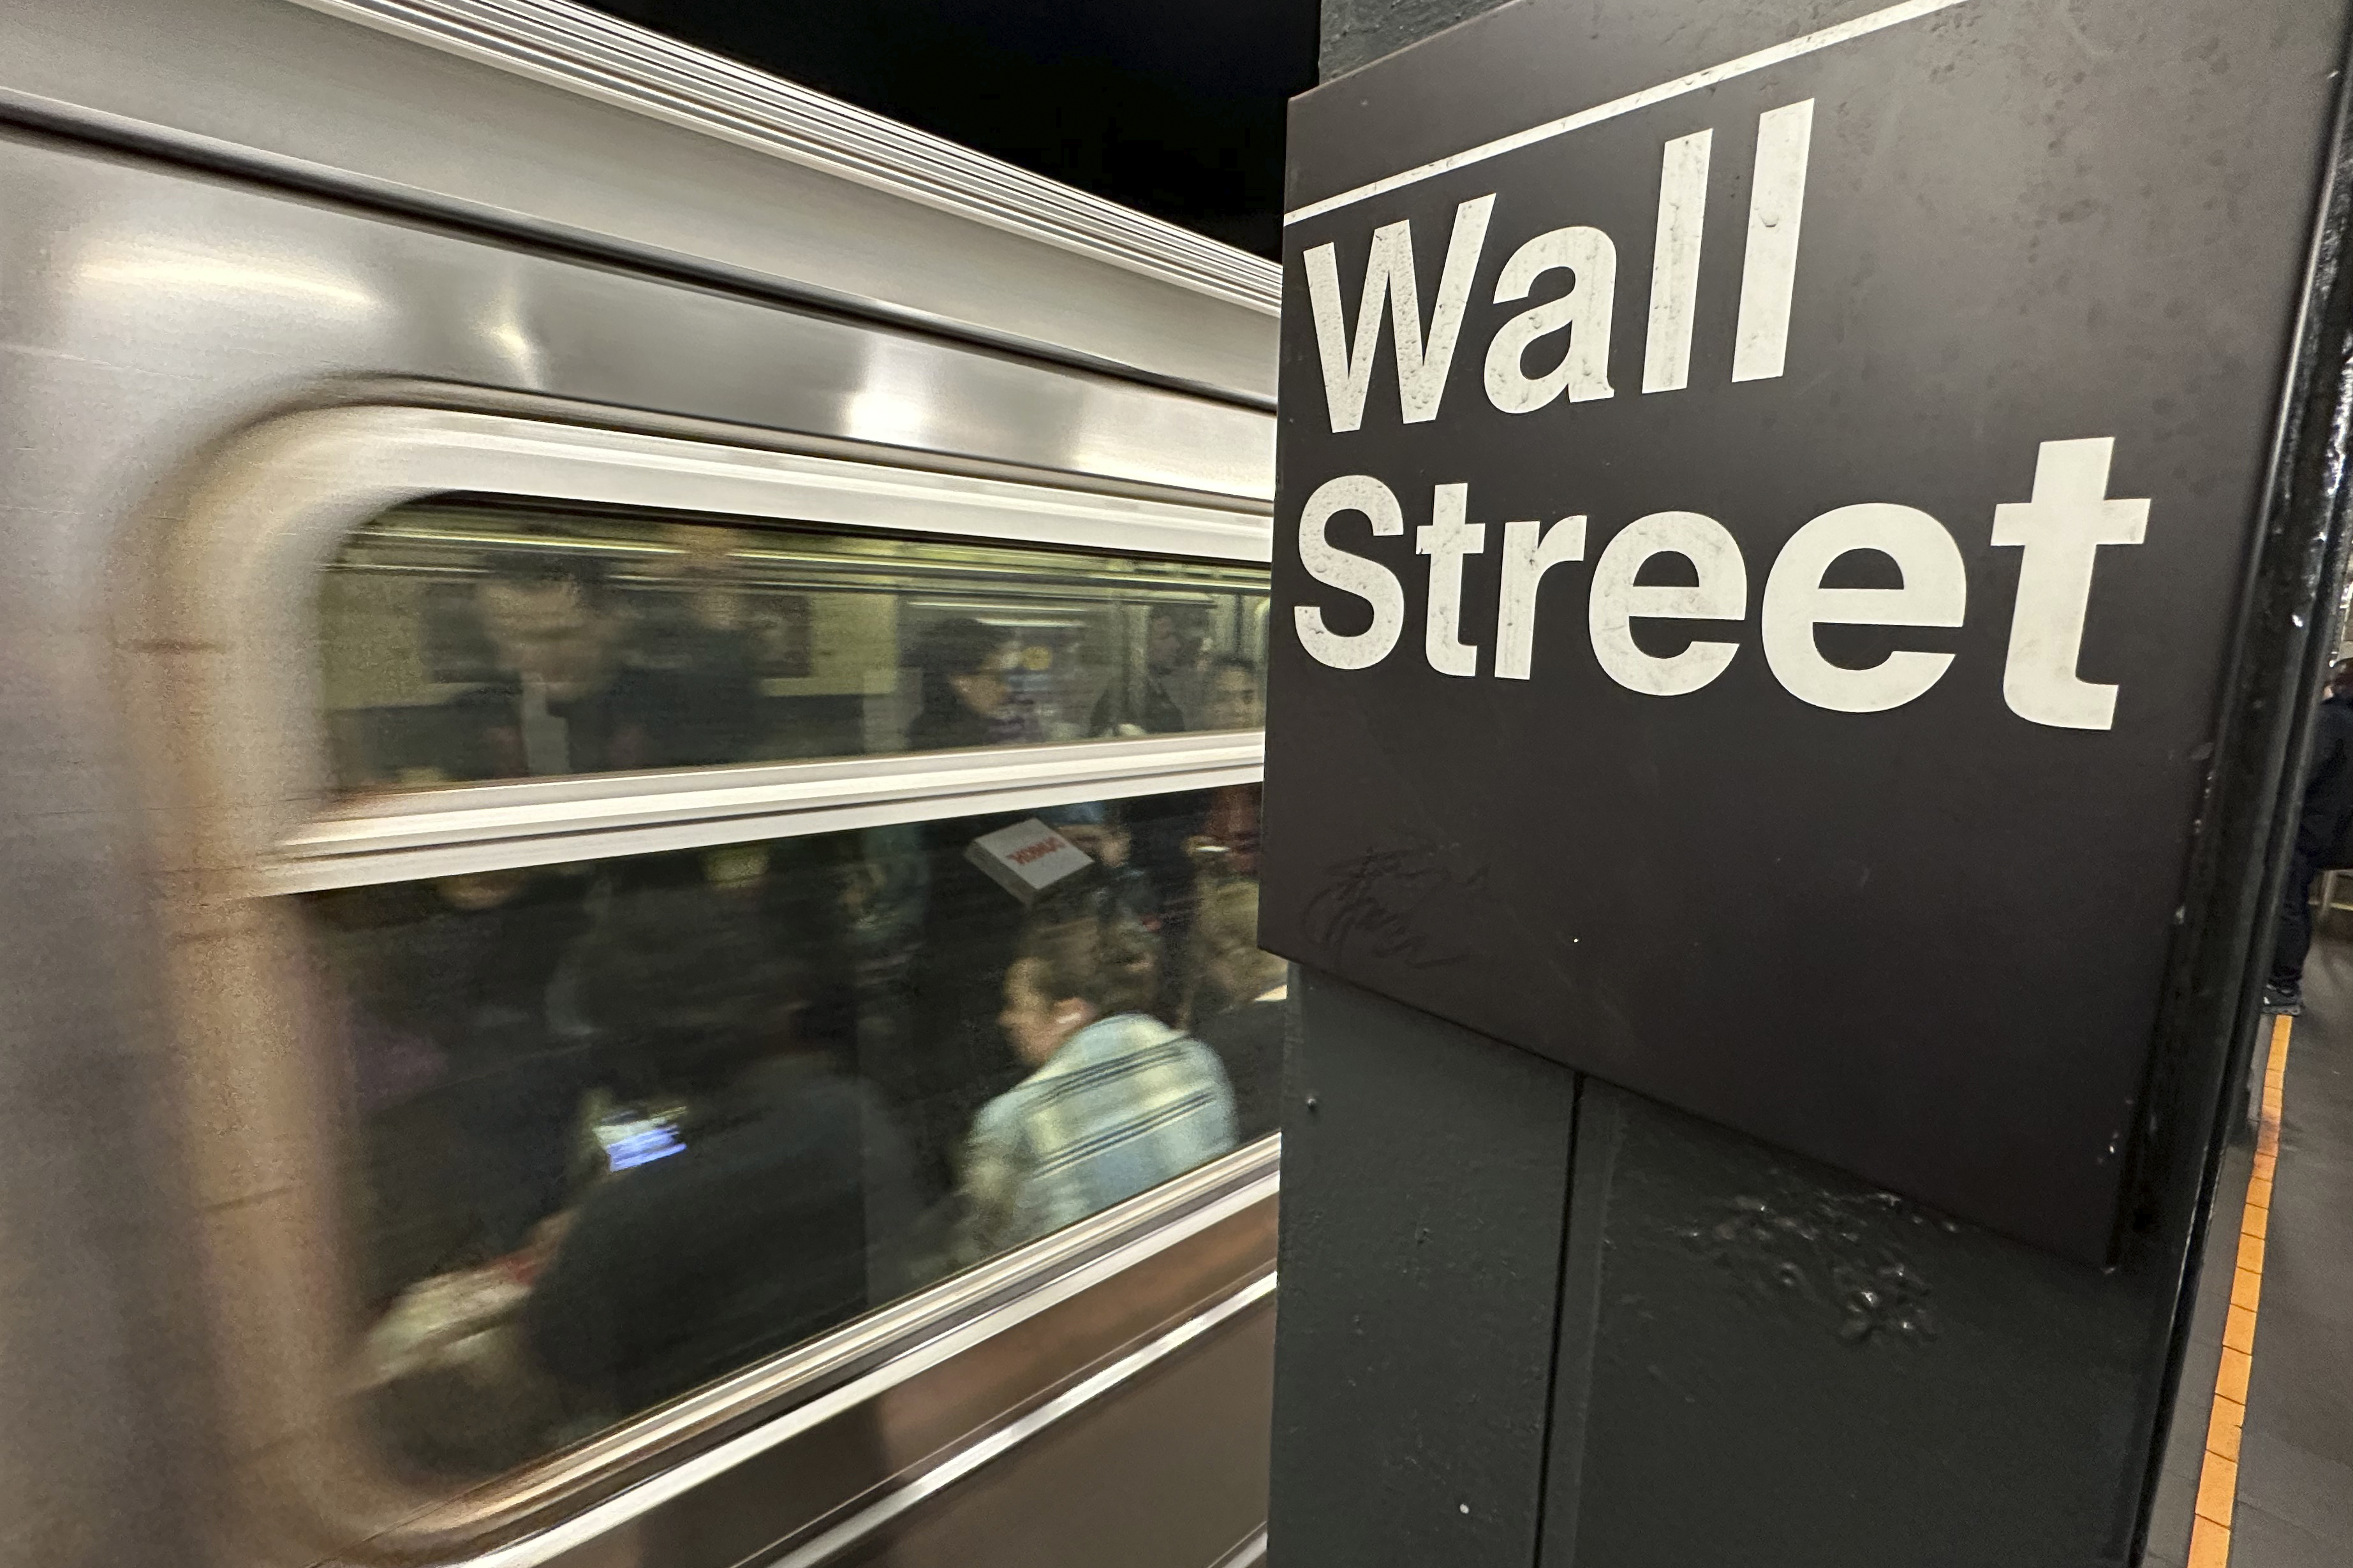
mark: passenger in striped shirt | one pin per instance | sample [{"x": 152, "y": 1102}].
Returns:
[{"x": 1117, "y": 1103}]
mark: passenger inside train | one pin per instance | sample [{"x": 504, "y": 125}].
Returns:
[
  {"x": 1116, "y": 1101},
  {"x": 1246, "y": 987},
  {"x": 760, "y": 1190},
  {"x": 632, "y": 1124}
]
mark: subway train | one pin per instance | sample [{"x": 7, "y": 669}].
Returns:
[{"x": 630, "y": 721}]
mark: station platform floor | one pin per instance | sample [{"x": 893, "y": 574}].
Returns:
[{"x": 2291, "y": 1505}]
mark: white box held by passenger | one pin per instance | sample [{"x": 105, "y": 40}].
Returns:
[{"x": 1027, "y": 859}]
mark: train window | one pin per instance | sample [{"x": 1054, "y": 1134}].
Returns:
[
  {"x": 480, "y": 639},
  {"x": 741, "y": 912},
  {"x": 626, "y": 1126}
]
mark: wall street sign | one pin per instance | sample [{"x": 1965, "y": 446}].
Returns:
[{"x": 1766, "y": 497}]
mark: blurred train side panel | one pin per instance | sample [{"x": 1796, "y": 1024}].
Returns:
[{"x": 540, "y": 562}]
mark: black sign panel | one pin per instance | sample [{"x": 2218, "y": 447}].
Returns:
[{"x": 1766, "y": 493}]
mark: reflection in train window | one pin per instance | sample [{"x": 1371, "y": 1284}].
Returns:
[
  {"x": 629, "y": 1125},
  {"x": 480, "y": 640}
]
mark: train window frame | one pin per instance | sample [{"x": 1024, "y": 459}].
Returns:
[
  {"x": 447, "y": 830},
  {"x": 266, "y": 524},
  {"x": 227, "y": 679}
]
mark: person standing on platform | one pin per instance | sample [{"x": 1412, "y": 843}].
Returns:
[{"x": 2327, "y": 812}]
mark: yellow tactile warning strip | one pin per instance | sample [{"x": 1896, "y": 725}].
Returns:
[{"x": 2218, "y": 1481}]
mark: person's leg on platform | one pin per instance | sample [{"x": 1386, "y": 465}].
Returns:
[{"x": 2285, "y": 991}]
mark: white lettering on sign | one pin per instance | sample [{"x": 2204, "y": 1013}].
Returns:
[
  {"x": 1421, "y": 363},
  {"x": 1618, "y": 601},
  {"x": 1675, "y": 262},
  {"x": 1530, "y": 550},
  {"x": 1936, "y": 592},
  {"x": 1367, "y": 580},
  {"x": 1446, "y": 539},
  {"x": 1424, "y": 357},
  {"x": 1768, "y": 273},
  {"x": 1591, "y": 261},
  {"x": 2060, "y": 530}
]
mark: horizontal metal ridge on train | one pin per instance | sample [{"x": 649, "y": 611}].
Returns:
[
  {"x": 553, "y": 125},
  {"x": 622, "y": 63}
]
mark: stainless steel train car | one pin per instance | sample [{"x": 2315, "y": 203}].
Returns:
[{"x": 563, "y": 598}]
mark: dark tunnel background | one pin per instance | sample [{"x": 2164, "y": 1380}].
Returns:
[{"x": 1174, "y": 108}]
